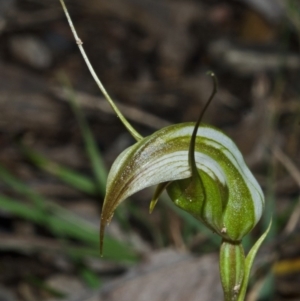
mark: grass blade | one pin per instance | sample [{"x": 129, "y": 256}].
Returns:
[
  {"x": 67, "y": 175},
  {"x": 62, "y": 227},
  {"x": 92, "y": 150}
]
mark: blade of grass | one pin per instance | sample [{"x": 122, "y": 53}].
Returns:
[
  {"x": 64, "y": 228},
  {"x": 21, "y": 188},
  {"x": 33, "y": 245},
  {"x": 92, "y": 150},
  {"x": 61, "y": 221},
  {"x": 67, "y": 175},
  {"x": 40, "y": 203},
  {"x": 90, "y": 277}
]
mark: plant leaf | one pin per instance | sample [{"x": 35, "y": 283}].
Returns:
[{"x": 249, "y": 262}]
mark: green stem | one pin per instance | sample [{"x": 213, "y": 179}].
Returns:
[
  {"x": 79, "y": 43},
  {"x": 232, "y": 267}
]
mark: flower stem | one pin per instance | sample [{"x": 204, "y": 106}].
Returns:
[
  {"x": 232, "y": 267},
  {"x": 125, "y": 122}
]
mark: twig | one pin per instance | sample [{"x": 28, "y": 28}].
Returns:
[{"x": 295, "y": 173}]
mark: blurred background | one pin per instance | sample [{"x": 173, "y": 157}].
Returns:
[{"x": 59, "y": 137}]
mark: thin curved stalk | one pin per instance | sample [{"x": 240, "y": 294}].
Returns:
[{"x": 129, "y": 127}]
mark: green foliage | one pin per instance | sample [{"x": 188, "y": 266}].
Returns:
[{"x": 59, "y": 221}]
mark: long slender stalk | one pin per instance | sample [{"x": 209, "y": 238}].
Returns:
[{"x": 129, "y": 127}]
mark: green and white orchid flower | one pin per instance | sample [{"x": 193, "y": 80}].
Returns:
[
  {"x": 204, "y": 174},
  {"x": 222, "y": 192}
]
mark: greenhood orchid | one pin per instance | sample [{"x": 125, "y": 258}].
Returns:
[
  {"x": 204, "y": 174},
  {"x": 222, "y": 192},
  {"x": 201, "y": 168}
]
